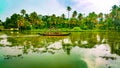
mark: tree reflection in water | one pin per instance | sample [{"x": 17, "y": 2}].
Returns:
[
  {"x": 64, "y": 44},
  {"x": 80, "y": 39}
]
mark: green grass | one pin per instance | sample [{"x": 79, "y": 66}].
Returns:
[
  {"x": 66, "y": 30},
  {"x": 75, "y": 29}
]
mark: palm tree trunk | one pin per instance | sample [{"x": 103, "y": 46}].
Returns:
[{"x": 68, "y": 18}]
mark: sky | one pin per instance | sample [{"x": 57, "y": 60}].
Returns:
[{"x": 58, "y": 7}]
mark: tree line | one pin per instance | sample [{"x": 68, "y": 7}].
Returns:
[{"x": 24, "y": 21}]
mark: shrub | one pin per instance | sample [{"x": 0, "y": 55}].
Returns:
[{"x": 76, "y": 29}]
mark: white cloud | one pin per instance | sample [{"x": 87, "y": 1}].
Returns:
[
  {"x": 98, "y": 6},
  {"x": 48, "y": 7},
  {"x": 52, "y": 7}
]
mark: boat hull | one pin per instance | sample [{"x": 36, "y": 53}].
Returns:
[{"x": 54, "y": 34}]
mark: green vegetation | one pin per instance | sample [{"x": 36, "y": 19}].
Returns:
[{"x": 92, "y": 21}]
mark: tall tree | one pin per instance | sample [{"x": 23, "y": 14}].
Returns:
[
  {"x": 116, "y": 16},
  {"x": 114, "y": 10},
  {"x": 53, "y": 17},
  {"x": 74, "y": 14},
  {"x": 108, "y": 23},
  {"x": 100, "y": 16},
  {"x": 69, "y": 9},
  {"x": 63, "y": 16},
  {"x": 23, "y": 12},
  {"x": 92, "y": 20},
  {"x": 80, "y": 16},
  {"x": 35, "y": 21}
]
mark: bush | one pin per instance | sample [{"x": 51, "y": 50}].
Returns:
[
  {"x": 1, "y": 27},
  {"x": 76, "y": 29}
]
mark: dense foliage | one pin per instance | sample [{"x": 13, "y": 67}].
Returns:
[{"x": 93, "y": 21}]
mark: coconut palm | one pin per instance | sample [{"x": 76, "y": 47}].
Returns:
[
  {"x": 23, "y": 12},
  {"x": 74, "y": 14},
  {"x": 80, "y": 16},
  {"x": 69, "y": 9},
  {"x": 63, "y": 16},
  {"x": 100, "y": 16}
]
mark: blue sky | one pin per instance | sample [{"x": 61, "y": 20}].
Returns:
[{"x": 48, "y": 7}]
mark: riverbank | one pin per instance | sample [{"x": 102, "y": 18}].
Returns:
[
  {"x": 67, "y": 30},
  {"x": 61, "y": 30}
]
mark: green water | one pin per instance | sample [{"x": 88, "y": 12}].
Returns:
[{"x": 79, "y": 50}]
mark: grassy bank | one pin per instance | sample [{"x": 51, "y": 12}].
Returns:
[
  {"x": 66, "y": 30},
  {"x": 76, "y": 29}
]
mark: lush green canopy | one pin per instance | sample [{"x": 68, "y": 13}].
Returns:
[{"x": 92, "y": 21}]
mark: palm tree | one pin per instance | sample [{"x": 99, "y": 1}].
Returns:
[
  {"x": 35, "y": 20},
  {"x": 63, "y": 16},
  {"x": 69, "y": 9},
  {"x": 80, "y": 16},
  {"x": 74, "y": 14},
  {"x": 92, "y": 20},
  {"x": 116, "y": 16},
  {"x": 20, "y": 22},
  {"x": 100, "y": 16},
  {"x": 23, "y": 12},
  {"x": 53, "y": 17}
]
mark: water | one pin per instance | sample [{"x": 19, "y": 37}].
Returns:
[{"x": 79, "y": 50}]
